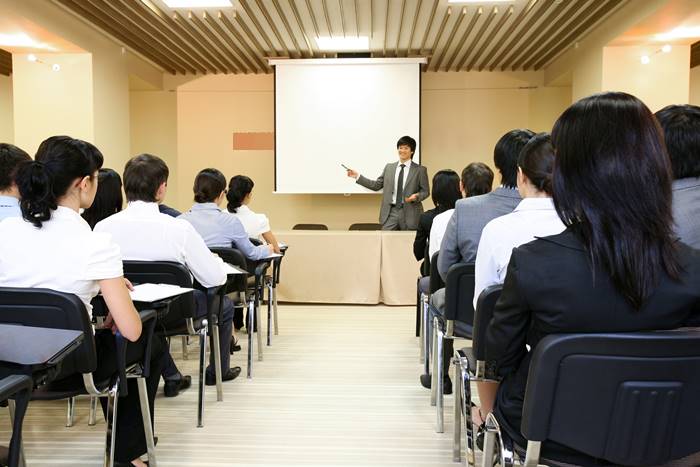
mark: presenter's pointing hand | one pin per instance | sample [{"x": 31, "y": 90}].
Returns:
[{"x": 352, "y": 174}]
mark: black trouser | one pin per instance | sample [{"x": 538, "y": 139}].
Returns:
[{"x": 130, "y": 439}]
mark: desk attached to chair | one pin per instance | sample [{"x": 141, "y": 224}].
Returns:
[{"x": 349, "y": 267}]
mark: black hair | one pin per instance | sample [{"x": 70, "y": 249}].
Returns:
[
  {"x": 681, "y": 126},
  {"x": 208, "y": 185},
  {"x": 612, "y": 182},
  {"x": 59, "y": 161},
  {"x": 108, "y": 199},
  {"x": 143, "y": 175},
  {"x": 238, "y": 189},
  {"x": 11, "y": 157},
  {"x": 505, "y": 155},
  {"x": 445, "y": 192},
  {"x": 477, "y": 179},
  {"x": 408, "y": 141},
  {"x": 536, "y": 160}
]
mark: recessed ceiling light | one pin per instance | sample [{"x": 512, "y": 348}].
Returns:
[
  {"x": 198, "y": 3},
  {"x": 666, "y": 49},
  {"x": 56, "y": 67},
  {"x": 22, "y": 40},
  {"x": 645, "y": 60},
  {"x": 349, "y": 43},
  {"x": 31, "y": 57},
  {"x": 681, "y": 32}
]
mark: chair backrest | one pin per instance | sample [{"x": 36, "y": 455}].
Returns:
[
  {"x": 165, "y": 272},
  {"x": 54, "y": 310},
  {"x": 310, "y": 227},
  {"x": 628, "y": 398},
  {"x": 436, "y": 282},
  {"x": 235, "y": 257},
  {"x": 365, "y": 226},
  {"x": 485, "y": 305},
  {"x": 459, "y": 293}
]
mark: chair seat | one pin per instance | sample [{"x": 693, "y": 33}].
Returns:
[
  {"x": 468, "y": 353},
  {"x": 424, "y": 285},
  {"x": 65, "y": 388},
  {"x": 463, "y": 330}
]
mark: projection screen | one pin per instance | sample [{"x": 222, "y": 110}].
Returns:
[{"x": 330, "y": 112}]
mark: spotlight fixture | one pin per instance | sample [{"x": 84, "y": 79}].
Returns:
[
  {"x": 666, "y": 49},
  {"x": 56, "y": 67},
  {"x": 645, "y": 59},
  {"x": 31, "y": 58}
]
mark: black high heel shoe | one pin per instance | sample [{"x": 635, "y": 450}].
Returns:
[{"x": 234, "y": 346}]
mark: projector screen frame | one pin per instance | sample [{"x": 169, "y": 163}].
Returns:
[{"x": 346, "y": 61}]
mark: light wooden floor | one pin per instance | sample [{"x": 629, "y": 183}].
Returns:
[{"x": 339, "y": 386}]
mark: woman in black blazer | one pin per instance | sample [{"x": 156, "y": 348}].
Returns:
[
  {"x": 445, "y": 194},
  {"x": 617, "y": 267}
]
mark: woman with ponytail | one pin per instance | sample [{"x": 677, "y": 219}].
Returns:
[
  {"x": 52, "y": 247},
  {"x": 240, "y": 191}
]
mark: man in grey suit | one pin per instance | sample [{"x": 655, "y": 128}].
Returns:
[
  {"x": 681, "y": 126},
  {"x": 470, "y": 216},
  {"x": 405, "y": 186}
]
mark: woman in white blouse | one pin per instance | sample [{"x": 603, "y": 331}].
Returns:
[
  {"x": 52, "y": 247},
  {"x": 240, "y": 191}
]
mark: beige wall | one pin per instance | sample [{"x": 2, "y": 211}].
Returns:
[
  {"x": 154, "y": 131},
  {"x": 463, "y": 115},
  {"x": 664, "y": 81},
  {"x": 7, "y": 132},
  {"x": 695, "y": 86},
  {"x": 587, "y": 73},
  {"x": 48, "y": 103}
]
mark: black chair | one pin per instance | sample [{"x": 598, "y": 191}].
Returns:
[
  {"x": 276, "y": 268},
  {"x": 426, "y": 287},
  {"x": 310, "y": 227},
  {"x": 456, "y": 322},
  {"x": 365, "y": 226},
  {"x": 470, "y": 365},
  {"x": 626, "y": 398},
  {"x": 19, "y": 389},
  {"x": 181, "y": 318},
  {"x": 56, "y": 310}
]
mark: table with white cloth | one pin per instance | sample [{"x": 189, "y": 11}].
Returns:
[{"x": 351, "y": 267}]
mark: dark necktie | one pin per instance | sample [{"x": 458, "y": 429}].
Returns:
[{"x": 399, "y": 188}]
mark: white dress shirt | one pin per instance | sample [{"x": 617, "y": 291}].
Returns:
[
  {"x": 407, "y": 168},
  {"x": 63, "y": 255},
  {"x": 253, "y": 223},
  {"x": 437, "y": 231},
  {"x": 144, "y": 234},
  {"x": 533, "y": 217}
]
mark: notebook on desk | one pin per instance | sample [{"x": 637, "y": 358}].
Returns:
[{"x": 150, "y": 293}]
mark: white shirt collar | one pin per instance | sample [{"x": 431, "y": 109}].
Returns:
[
  {"x": 9, "y": 200},
  {"x": 535, "y": 204},
  {"x": 143, "y": 207}
]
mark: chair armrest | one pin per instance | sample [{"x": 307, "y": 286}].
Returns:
[
  {"x": 14, "y": 384},
  {"x": 121, "y": 343},
  {"x": 149, "y": 319}
]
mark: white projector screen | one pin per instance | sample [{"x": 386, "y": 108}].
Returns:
[{"x": 341, "y": 111}]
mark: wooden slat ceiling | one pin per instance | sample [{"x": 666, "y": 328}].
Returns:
[
  {"x": 522, "y": 35},
  {"x": 695, "y": 55},
  {"x": 5, "y": 63}
]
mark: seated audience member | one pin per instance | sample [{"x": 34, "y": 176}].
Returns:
[
  {"x": 471, "y": 215},
  {"x": 616, "y": 268},
  {"x": 240, "y": 192},
  {"x": 108, "y": 200},
  {"x": 11, "y": 158},
  {"x": 477, "y": 179},
  {"x": 219, "y": 228},
  {"x": 61, "y": 181},
  {"x": 144, "y": 234},
  {"x": 681, "y": 126},
  {"x": 533, "y": 217},
  {"x": 445, "y": 193}
]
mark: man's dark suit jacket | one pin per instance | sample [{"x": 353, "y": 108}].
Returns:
[{"x": 549, "y": 289}]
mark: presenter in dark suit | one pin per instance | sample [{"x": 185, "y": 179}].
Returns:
[{"x": 405, "y": 186}]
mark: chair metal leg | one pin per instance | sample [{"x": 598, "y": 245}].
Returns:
[
  {"x": 70, "y": 417},
  {"x": 217, "y": 363},
  {"x": 146, "y": 416},
  {"x": 420, "y": 328},
  {"x": 11, "y": 404},
  {"x": 470, "y": 435},
  {"x": 440, "y": 380},
  {"x": 249, "y": 325},
  {"x": 185, "y": 341},
  {"x": 269, "y": 313},
  {"x": 532, "y": 454},
  {"x": 111, "y": 432},
  {"x": 202, "y": 366},
  {"x": 92, "y": 418},
  {"x": 274, "y": 308},
  {"x": 457, "y": 422},
  {"x": 426, "y": 337},
  {"x": 433, "y": 384},
  {"x": 259, "y": 328}
]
